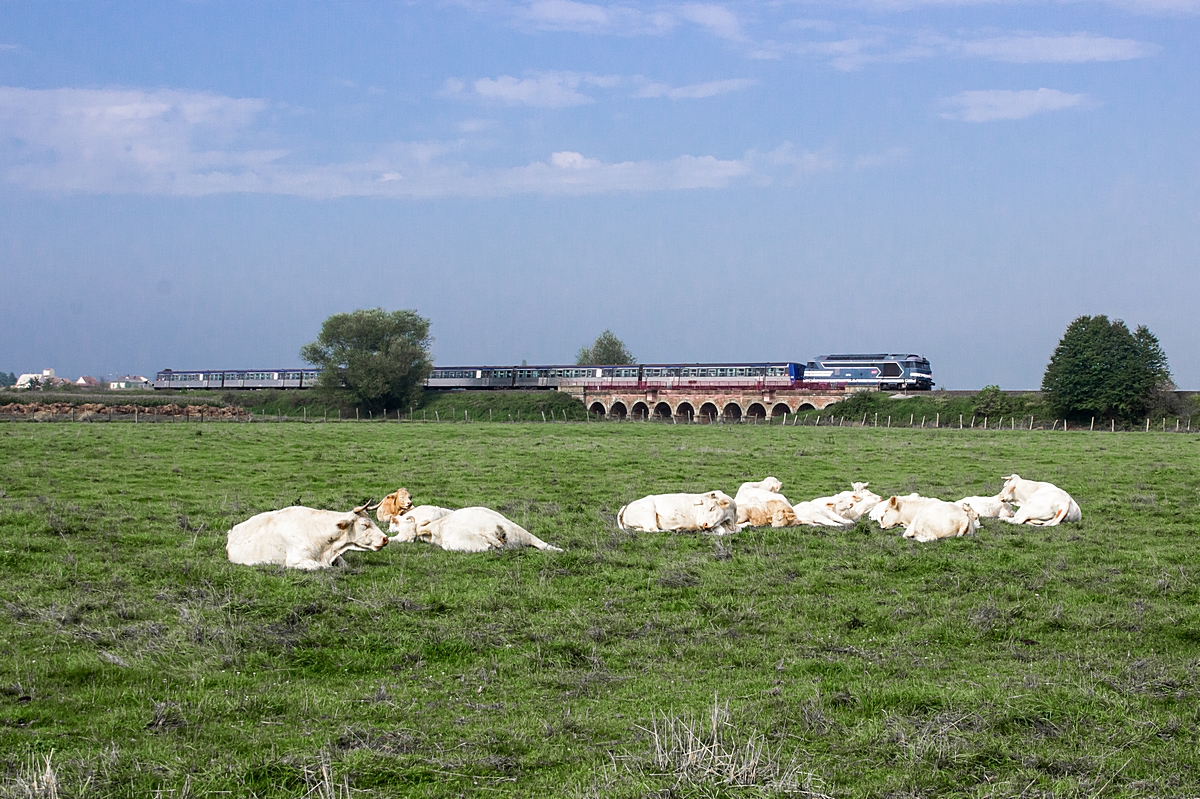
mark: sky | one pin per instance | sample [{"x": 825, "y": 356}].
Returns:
[{"x": 200, "y": 184}]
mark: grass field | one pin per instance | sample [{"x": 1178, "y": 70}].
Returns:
[{"x": 1019, "y": 662}]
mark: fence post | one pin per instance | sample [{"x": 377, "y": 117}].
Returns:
[
  {"x": 1031, "y": 421},
  {"x": 543, "y": 416},
  {"x": 1093, "y": 425},
  {"x": 877, "y": 418},
  {"x": 356, "y": 416},
  {"x": 436, "y": 418},
  {"x": 960, "y": 416},
  {"x": 466, "y": 418},
  {"x": 889, "y": 422},
  {"x": 911, "y": 416},
  {"x": 1147, "y": 424},
  {"x": 937, "y": 420},
  {"x": 489, "y": 414}
]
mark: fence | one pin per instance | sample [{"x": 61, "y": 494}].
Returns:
[{"x": 206, "y": 414}]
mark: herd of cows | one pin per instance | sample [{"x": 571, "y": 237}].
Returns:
[{"x": 308, "y": 538}]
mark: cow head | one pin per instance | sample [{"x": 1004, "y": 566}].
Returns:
[
  {"x": 772, "y": 484},
  {"x": 718, "y": 511},
  {"x": 359, "y": 532},
  {"x": 859, "y": 487},
  {"x": 890, "y": 517},
  {"x": 394, "y": 505},
  {"x": 1009, "y": 492},
  {"x": 403, "y": 529}
]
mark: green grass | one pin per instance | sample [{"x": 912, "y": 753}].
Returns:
[{"x": 1018, "y": 662}]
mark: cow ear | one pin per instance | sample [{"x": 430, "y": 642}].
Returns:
[
  {"x": 345, "y": 524},
  {"x": 893, "y": 502}
]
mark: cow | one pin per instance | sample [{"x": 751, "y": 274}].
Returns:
[
  {"x": 471, "y": 530},
  {"x": 758, "y": 507},
  {"x": 403, "y": 529},
  {"x": 393, "y": 506},
  {"x": 303, "y": 538},
  {"x": 840, "y": 502},
  {"x": 901, "y": 510},
  {"x": 876, "y": 513},
  {"x": 771, "y": 484},
  {"x": 1040, "y": 503},
  {"x": 937, "y": 519},
  {"x": 814, "y": 514},
  {"x": 714, "y": 511},
  {"x": 987, "y": 507},
  {"x": 864, "y": 501}
]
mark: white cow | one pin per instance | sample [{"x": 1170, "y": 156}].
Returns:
[
  {"x": 1040, "y": 503},
  {"x": 938, "y": 519},
  {"x": 471, "y": 530},
  {"x": 713, "y": 510},
  {"x": 404, "y": 528},
  {"x": 771, "y": 484},
  {"x": 864, "y": 501},
  {"x": 987, "y": 507},
  {"x": 902, "y": 510},
  {"x": 303, "y": 538},
  {"x": 876, "y": 513},
  {"x": 814, "y": 514},
  {"x": 760, "y": 504}
]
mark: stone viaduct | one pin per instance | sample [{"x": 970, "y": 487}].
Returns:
[{"x": 703, "y": 405}]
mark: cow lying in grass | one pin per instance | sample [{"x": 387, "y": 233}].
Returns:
[
  {"x": 1043, "y": 504},
  {"x": 987, "y": 507},
  {"x": 712, "y": 511},
  {"x": 468, "y": 530},
  {"x": 303, "y": 538},
  {"x": 760, "y": 505},
  {"x": 926, "y": 519},
  {"x": 397, "y": 506}
]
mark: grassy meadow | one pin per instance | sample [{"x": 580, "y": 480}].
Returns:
[{"x": 1020, "y": 662}]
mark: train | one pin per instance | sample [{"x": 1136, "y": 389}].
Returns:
[{"x": 880, "y": 371}]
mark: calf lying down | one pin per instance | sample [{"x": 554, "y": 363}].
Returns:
[
  {"x": 926, "y": 519},
  {"x": 713, "y": 511},
  {"x": 1041, "y": 503},
  {"x": 303, "y": 538},
  {"x": 466, "y": 530}
]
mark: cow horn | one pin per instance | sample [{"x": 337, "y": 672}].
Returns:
[{"x": 371, "y": 507}]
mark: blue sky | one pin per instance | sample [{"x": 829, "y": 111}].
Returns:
[{"x": 200, "y": 184}]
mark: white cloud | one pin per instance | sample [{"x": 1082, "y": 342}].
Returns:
[
  {"x": 569, "y": 15},
  {"x": 991, "y": 105},
  {"x": 537, "y": 89},
  {"x": 694, "y": 91},
  {"x": 1077, "y": 48},
  {"x": 189, "y": 143},
  {"x": 718, "y": 20},
  {"x": 5, "y": 48}
]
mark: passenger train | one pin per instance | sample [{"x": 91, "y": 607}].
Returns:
[{"x": 883, "y": 371}]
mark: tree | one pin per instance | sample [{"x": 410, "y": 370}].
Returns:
[
  {"x": 372, "y": 359},
  {"x": 991, "y": 401},
  {"x": 7, "y": 379},
  {"x": 1102, "y": 369},
  {"x": 606, "y": 349}
]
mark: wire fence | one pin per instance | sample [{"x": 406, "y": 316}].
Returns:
[{"x": 207, "y": 414}]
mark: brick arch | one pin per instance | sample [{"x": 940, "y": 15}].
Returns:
[
  {"x": 618, "y": 410},
  {"x": 597, "y": 408},
  {"x": 756, "y": 410},
  {"x": 709, "y": 412},
  {"x": 640, "y": 410},
  {"x": 731, "y": 412},
  {"x": 780, "y": 409},
  {"x": 662, "y": 410},
  {"x": 686, "y": 411}
]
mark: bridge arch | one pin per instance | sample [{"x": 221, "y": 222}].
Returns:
[
  {"x": 732, "y": 412},
  {"x": 686, "y": 412},
  {"x": 640, "y": 410},
  {"x": 597, "y": 409},
  {"x": 780, "y": 409},
  {"x": 756, "y": 411},
  {"x": 709, "y": 412},
  {"x": 618, "y": 410},
  {"x": 806, "y": 406},
  {"x": 662, "y": 411}
]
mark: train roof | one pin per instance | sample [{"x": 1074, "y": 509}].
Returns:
[
  {"x": 616, "y": 365},
  {"x": 879, "y": 356},
  {"x": 253, "y": 369}
]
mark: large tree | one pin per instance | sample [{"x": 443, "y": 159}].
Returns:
[
  {"x": 372, "y": 359},
  {"x": 1102, "y": 369},
  {"x": 606, "y": 349}
]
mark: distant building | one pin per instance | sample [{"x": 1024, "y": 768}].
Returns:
[
  {"x": 128, "y": 382},
  {"x": 87, "y": 381},
  {"x": 46, "y": 379}
]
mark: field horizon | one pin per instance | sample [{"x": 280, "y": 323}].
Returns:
[{"x": 1030, "y": 662}]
